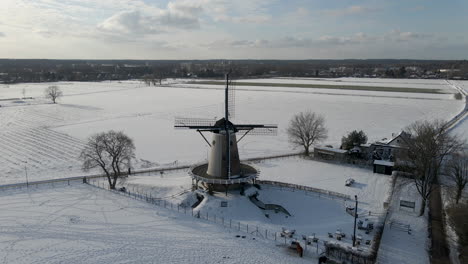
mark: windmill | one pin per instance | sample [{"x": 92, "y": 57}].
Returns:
[{"x": 224, "y": 167}]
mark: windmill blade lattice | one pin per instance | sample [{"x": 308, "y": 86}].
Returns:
[
  {"x": 264, "y": 131},
  {"x": 185, "y": 122},
  {"x": 232, "y": 99}
]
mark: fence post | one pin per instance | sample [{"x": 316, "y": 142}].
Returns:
[
  {"x": 256, "y": 233},
  {"x": 247, "y": 228},
  {"x": 266, "y": 233},
  {"x": 275, "y": 236},
  {"x": 239, "y": 226}
]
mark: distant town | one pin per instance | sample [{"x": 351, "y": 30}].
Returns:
[{"x": 36, "y": 70}]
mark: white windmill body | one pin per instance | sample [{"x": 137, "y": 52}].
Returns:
[{"x": 223, "y": 169}]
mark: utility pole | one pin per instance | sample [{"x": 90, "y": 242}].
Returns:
[{"x": 355, "y": 218}]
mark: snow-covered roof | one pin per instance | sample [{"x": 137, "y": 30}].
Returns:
[
  {"x": 403, "y": 135},
  {"x": 342, "y": 151},
  {"x": 384, "y": 163}
]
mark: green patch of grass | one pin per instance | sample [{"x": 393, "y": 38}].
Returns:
[{"x": 328, "y": 86}]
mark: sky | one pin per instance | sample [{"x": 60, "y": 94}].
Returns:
[{"x": 234, "y": 29}]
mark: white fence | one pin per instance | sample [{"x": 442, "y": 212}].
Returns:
[{"x": 304, "y": 188}]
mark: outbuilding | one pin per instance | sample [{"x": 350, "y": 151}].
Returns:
[
  {"x": 330, "y": 153},
  {"x": 383, "y": 167}
]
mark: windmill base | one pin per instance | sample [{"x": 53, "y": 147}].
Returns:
[{"x": 201, "y": 178}]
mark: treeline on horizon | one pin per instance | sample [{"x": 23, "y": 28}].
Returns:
[{"x": 45, "y": 70}]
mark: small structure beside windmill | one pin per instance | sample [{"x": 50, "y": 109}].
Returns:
[{"x": 224, "y": 169}]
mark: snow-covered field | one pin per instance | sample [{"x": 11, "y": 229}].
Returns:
[
  {"x": 404, "y": 83},
  {"x": 82, "y": 224},
  {"x": 44, "y": 140}
]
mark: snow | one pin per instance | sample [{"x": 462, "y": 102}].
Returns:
[
  {"x": 342, "y": 151},
  {"x": 82, "y": 224},
  {"x": 461, "y": 129},
  {"x": 79, "y": 223},
  {"x": 384, "y": 163},
  {"x": 51, "y": 136},
  {"x": 377, "y": 82},
  {"x": 445, "y": 95},
  {"x": 397, "y": 246},
  {"x": 311, "y": 213},
  {"x": 370, "y": 188}
]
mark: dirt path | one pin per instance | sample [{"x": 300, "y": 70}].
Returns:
[{"x": 439, "y": 250}]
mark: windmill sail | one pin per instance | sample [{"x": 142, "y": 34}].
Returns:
[{"x": 224, "y": 161}]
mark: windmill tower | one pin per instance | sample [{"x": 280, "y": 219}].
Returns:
[{"x": 224, "y": 168}]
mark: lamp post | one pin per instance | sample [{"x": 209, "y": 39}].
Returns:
[{"x": 355, "y": 218}]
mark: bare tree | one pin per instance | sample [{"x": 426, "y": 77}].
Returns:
[
  {"x": 426, "y": 149},
  {"x": 52, "y": 93},
  {"x": 153, "y": 79},
  {"x": 307, "y": 128},
  {"x": 110, "y": 151},
  {"x": 457, "y": 172}
]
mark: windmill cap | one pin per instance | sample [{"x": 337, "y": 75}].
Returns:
[{"x": 221, "y": 123}]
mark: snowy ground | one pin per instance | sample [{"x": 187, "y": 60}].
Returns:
[
  {"x": 371, "y": 188},
  {"x": 82, "y": 224},
  {"x": 44, "y": 140},
  {"x": 311, "y": 212},
  {"x": 397, "y": 246},
  {"x": 413, "y": 83}
]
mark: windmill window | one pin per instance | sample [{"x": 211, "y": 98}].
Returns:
[{"x": 213, "y": 143}]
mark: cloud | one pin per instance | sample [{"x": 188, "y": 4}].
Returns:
[
  {"x": 227, "y": 43},
  {"x": 128, "y": 22},
  {"x": 356, "y": 39},
  {"x": 251, "y": 19},
  {"x": 351, "y": 10},
  {"x": 301, "y": 11},
  {"x": 177, "y": 15},
  {"x": 397, "y": 35},
  {"x": 240, "y": 11},
  {"x": 45, "y": 33}
]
